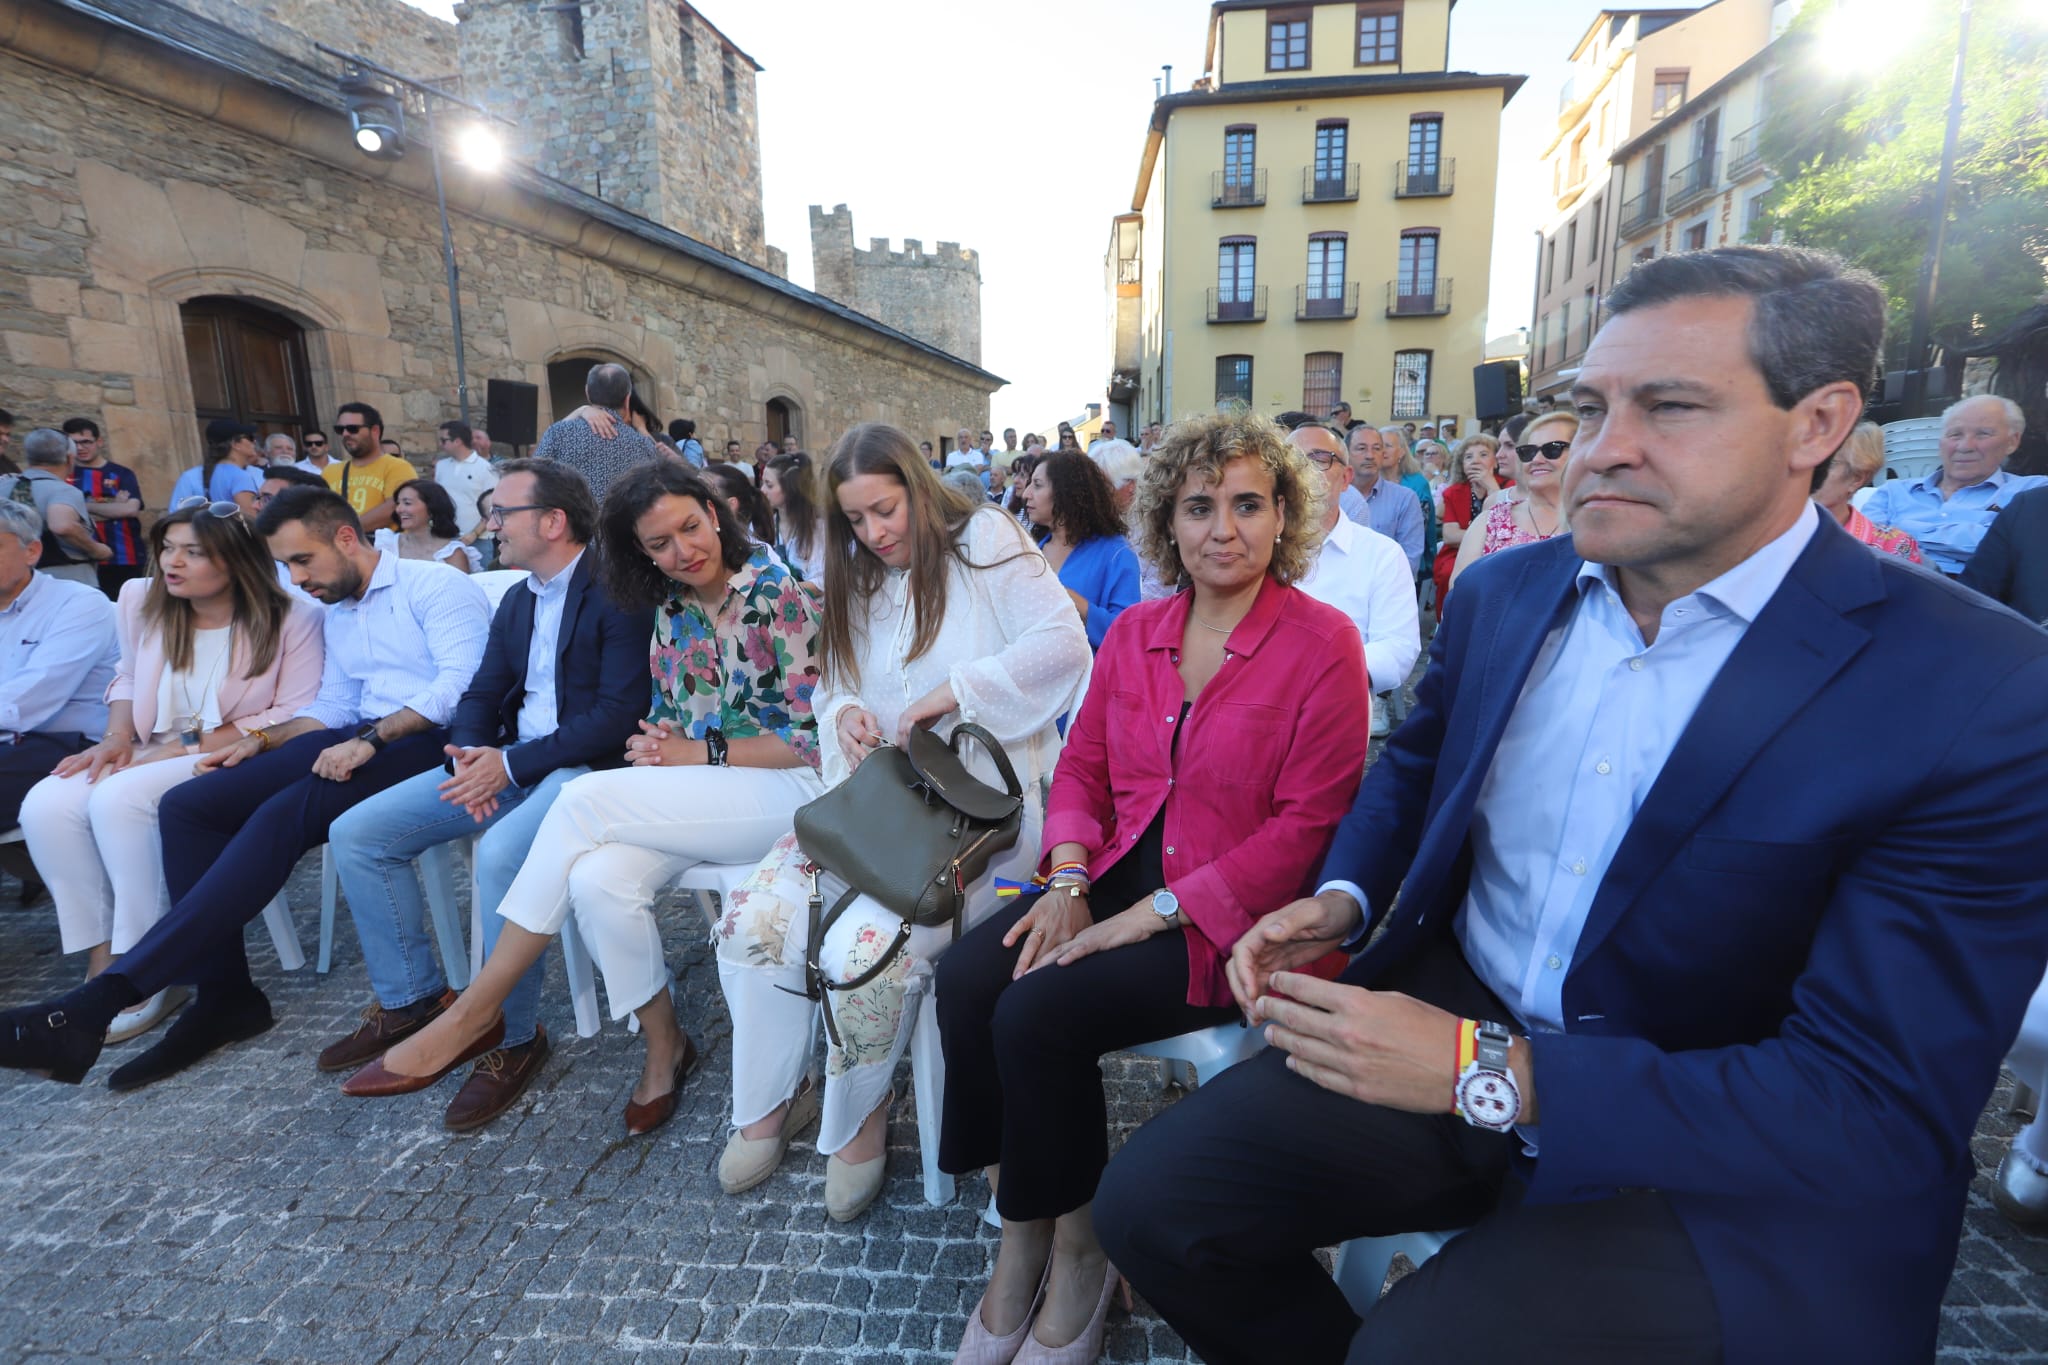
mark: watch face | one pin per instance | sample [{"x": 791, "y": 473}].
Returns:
[
  {"x": 1165, "y": 904},
  {"x": 1489, "y": 1099}
]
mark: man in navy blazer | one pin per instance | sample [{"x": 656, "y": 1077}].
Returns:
[
  {"x": 1685, "y": 995},
  {"x": 563, "y": 684}
]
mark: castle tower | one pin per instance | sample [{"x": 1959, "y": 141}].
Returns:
[
  {"x": 934, "y": 297},
  {"x": 642, "y": 103}
]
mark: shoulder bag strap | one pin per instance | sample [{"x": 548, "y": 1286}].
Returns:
[{"x": 969, "y": 730}]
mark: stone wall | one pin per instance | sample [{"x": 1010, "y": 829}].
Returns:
[
  {"x": 114, "y": 211},
  {"x": 388, "y": 32},
  {"x": 935, "y": 296},
  {"x": 656, "y": 114}
]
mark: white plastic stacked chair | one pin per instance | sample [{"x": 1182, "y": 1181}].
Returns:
[{"x": 1363, "y": 1263}]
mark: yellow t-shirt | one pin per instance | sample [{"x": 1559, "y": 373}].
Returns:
[{"x": 368, "y": 486}]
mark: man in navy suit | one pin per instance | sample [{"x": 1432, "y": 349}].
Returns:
[
  {"x": 562, "y": 686},
  {"x": 1692, "y": 994}
]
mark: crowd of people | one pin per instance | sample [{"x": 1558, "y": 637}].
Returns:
[{"x": 1701, "y": 1038}]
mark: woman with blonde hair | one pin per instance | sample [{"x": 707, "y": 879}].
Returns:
[
  {"x": 1852, "y": 469},
  {"x": 1538, "y": 514},
  {"x": 938, "y": 611},
  {"x": 1222, "y": 718},
  {"x": 1471, "y": 483},
  {"x": 212, "y": 650}
]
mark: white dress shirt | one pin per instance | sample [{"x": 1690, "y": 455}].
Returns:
[
  {"x": 412, "y": 641},
  {"x": 1595, "y": 722},
  {"x": 466, "y": 480},
  {"x": 58, "y": 651},
  {"x": 1365, "y": 575},
  {"x": 538, "y": 714}
]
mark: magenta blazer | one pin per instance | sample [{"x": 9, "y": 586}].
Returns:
[
  {"x": 1271, "y": 759},
  {"x": 275, "y": 695}
]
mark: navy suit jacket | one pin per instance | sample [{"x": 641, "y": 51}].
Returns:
[
  {"x": 602, "y": 683},
  {"x": 1814, "y": 944}
]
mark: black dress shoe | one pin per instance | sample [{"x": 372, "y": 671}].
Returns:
[
  {"x": 208, "y": 1024},
  {"x": 62, "y": 1038}
]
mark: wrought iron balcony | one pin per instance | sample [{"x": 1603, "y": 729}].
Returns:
[
  {"x": 1238, "y": 305},
  {"x": 1640, "y": 212},
  {"x": 1128, "y": 270},
  {"x": 1745, "y": 151},
  {"x": 1418, "y": 298},
  {"x": 1313, "y": 302},
  {"x": 1435, "y": 182},
  {"x": 1237, "y": 189},
  {"x": 1329, "y": 184},
  {"x": 1689, "y": 184}
]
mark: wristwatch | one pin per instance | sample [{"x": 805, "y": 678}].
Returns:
[
  {"x": 715, "y": 748},
  {"x": 1166, "y": 905},
  {"x": 1487, "y": 1094},
  {"x": 368, "y": 734}
]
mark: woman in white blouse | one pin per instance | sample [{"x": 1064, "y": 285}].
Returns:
[
  {"x": 211, "y": 650},
  {"x": 426, "y": 527},
  {"x": 936, "y": 611}
]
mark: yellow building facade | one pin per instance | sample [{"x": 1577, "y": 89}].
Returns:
[{"x": 1312, "y": 223}]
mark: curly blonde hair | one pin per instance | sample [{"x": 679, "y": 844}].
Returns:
[{"x": 1201, "y": 447}]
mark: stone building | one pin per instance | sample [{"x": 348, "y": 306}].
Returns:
[
  {"x": 936, "y": 297},
  {"x": 187, "y": 231}
]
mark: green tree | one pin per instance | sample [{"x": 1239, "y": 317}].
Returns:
[{"x": 1858, "y": 155}]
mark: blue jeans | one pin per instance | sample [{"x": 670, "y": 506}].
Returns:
[{"x": 374, "y": 846}]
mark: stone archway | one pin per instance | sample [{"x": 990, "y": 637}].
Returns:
[
  {"x": 567, "y": 371},
  {"x": 785, "y": 417}
]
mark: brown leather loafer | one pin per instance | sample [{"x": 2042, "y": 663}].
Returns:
[
  {"x": 373, "y": 1082},
  {"x": 645, "y": 1118},
  {"x": 380, "y": 1029},
  {"x": 499, "y": 1078}
]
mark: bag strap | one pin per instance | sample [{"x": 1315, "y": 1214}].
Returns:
[
  {"x": 815, "y": 981},
  {"x": 970, "y": 730}
]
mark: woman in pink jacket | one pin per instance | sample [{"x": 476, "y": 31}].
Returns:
[
  {"x": 1221, "y": 742},
  {"x": 211, "y": 650}
]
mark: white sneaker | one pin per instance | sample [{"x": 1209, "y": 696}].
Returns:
[
  {"x": 146, "y": 1016},
  {"x": 1379, "y": 717}
]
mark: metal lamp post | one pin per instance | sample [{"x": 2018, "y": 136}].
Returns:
[{"x": 387, "y": 143}]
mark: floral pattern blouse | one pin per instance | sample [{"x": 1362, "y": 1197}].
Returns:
[{"x": 749, "y": 672}]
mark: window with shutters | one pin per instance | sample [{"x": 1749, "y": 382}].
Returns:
[{"x": 1411, "y": 385}]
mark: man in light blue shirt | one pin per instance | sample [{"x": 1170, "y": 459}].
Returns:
[
  {"x": 562, "y": 684},
  {"x": 1383, "y": 505},
  {"x": 57, "y": 654},
  {"x": 1949, "y": 510}
]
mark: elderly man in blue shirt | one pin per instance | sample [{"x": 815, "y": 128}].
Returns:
[
  {"x": 1381, "y": 504},
  {"x": 57, "y": 655},
  {"x": 1949, "y": 510}
]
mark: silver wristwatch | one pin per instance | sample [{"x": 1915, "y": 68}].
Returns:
[
  {"x": 1166, "y": 905},
  {"x": 1487, "y": 1094}
]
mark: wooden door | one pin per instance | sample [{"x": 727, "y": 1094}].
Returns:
[{"x": 248, "y": 364}]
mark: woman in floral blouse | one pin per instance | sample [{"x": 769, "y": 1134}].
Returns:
[{"x": 724, "y": 758}]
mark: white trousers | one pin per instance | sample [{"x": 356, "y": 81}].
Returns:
[
  {"x": 2029, "y": 1061},
  {"x": 613, "y": 839},
  {"x": 761, "y": 938},
  {"x": 97, "y": 846}
]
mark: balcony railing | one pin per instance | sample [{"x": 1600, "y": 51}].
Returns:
[
  {"x": 1410, "y": 183},
  {"x": 1317, "y": 301},
  {"x": 1418, "y": 298},
  {"x": 1745, "y": 151},
  {"x": 1689, "y": 184},
  {"x": 1237, "y": 189},
  {"x": 1329, "y": 184},
  {"x": 1128, "y": 271},
  {"x": 1238, "y": 305},
  {"x": 1640, "y": 212}
]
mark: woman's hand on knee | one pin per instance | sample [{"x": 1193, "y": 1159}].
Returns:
[
  {"x": 103, "y": 759},
  {"x": 1047, "y": 926}
]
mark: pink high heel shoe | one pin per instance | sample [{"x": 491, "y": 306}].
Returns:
[
  {"x": 1085, "y": 1349},
  {"x": 979, "y": 1346}
]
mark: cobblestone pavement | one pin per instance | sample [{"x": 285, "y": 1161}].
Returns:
[{"x": 247, "y": 1211}]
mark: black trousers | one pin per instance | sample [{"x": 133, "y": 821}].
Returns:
[
  {"x": 28, "y": 761},
  {"x": 1214, "y": 1211},
  {"x": 231, "y": 838},
  {"x": 1023, "y": 1058}
]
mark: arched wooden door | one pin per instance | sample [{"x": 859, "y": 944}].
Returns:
[{"x": 248, "y": 364}]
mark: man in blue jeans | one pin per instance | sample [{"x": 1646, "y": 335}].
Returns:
[{"x": 564, "y": 678}]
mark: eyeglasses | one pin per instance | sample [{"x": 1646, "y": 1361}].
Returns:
[
  {"x": 1549, "y": 450},
  {"x": 226, "y": 511},
  {"x": 496, "y": 516},
  {"x": 316, "y": 442},
  {"x": 1323, "y": 459},
  {"x": 350, "y": 428}
]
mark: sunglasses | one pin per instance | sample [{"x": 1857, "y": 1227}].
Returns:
[
  {"x": 1549, "y": 450},
  {"x": 201, "y": 506},
  {"x": 350, "y": 429},
  {"x": 316, "y": 443}
]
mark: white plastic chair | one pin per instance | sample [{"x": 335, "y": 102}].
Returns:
[
  {"x": 436, "y": 869},
  {"x": 496, "y": 583},
  {"x": 1363, "y": 1263}
]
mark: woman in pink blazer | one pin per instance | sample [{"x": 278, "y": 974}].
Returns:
[
  {"x": 1221, "y": 742},
  {"x": 211, "y": 649}
]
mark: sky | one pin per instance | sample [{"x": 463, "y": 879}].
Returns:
[{"x": 1016, "y": 130}]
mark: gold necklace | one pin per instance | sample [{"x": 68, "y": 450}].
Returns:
[{"x": 1220, "y": 630}]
